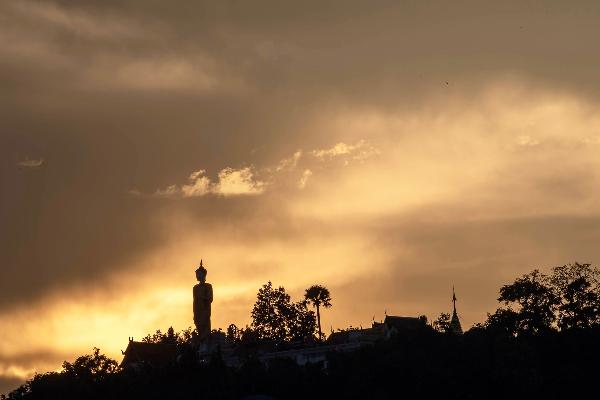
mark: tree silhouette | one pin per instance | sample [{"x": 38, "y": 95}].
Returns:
[
  {"x": 91, "y": 367},
  {"x": 301, "y": 322},
  {"x": 504, "y": 321},
  {"x": 156, "y": 337},
  {"x": 318, "y": 296},
  {"x": 499, "y": 358},
  {"x": 578, "y": 288},
  {"x": 276, "y": 317},
  {"x": 233, "y": 334},
  {"x": 170, "y": 337},
  {"x": 535, "y": 302},
  {"x": 568, "y": 298},
  {"x": 442, "y": 323},
  {"x": 269, "y": 312}
]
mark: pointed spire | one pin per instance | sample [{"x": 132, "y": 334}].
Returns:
[
  {"x": 455, "y": 321},
  {"x": 201, "y": 266},
  {"x": 453, "y": 299}
]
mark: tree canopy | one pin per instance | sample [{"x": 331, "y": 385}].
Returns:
[
  {"x": 318, "y": 296},
  {"x": 568, "y": 298},
  {"x": 277, "y": 318}
]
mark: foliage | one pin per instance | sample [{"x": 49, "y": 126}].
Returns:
[
  {"x": 275, "y": 317},
  {"x": 481, "y": 364},
  {"x": 93, "y": 366},
  {"x": 170, "y": 337},
  {"x": 533, "y": 302},
  {"x": 84, "y": 378},
  {"x": 578, "y": 288},
  {"x": 233, "y": 334},
  {"x": 318, "y": 296},
  {"x": 504, "y": 321},
  {"x": 442, "y": 323},
  {"x": 569, "y": 298},
  {"x": 301, "y": 322},
  {"x": 541, "y": 343}
]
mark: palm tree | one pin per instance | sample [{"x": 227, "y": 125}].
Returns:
[{"x": 318, "y": 296}]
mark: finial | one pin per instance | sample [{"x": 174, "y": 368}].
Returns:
[
  {"x": 200, "y": 262},
  {"x": 454, "y": 299}
]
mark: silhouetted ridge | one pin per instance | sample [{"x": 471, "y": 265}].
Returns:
[{"x": 541, "y": 343}]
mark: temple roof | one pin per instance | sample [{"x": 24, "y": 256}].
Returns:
[
  {"x": 403, "y": 323},
  {"x": 152, "y": 354},
  {"x": 455, "y": 324}
]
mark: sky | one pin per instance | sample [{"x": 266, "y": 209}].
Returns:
[{"x": 385, "y": 149}]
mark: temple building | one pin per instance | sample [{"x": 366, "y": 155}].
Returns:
[
  {"x": 455, "y": 321},
  {"x": 139, "y": 355}
]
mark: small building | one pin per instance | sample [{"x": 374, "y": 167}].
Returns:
[
  {"x": 358, "y": 336},
  {"x": 154, "y": 355},
  {"x": 394, "y": 325}
]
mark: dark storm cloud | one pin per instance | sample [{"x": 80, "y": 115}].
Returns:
[{"x": 343, "y": 47}]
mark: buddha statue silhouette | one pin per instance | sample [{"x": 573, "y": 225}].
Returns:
[{"x": 203, "y": 297}]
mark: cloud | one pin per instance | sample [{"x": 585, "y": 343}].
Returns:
[
  {"x": 134, "y": 192},
  {"x": 169, "y": 191},
  {"x": 593, "y": 140},
  {"x": 199, "y": 185},
  {"x": 132, "y": 94},
  {"x": 9, "y": 383},
  {"x": 187, "y": 74},
  {"x": 526, "y": 140},
  {"x": 231, "y": 182},
  {"x": 304, "y": 178},
  {"x": 31, "y": 163},
  {"x": 244, "y": 181},
  {"x": 18, "y": 365},
  {"x": 337, "y": 150},
  {"x": 77, "y": 22},
  {"x": 360, "y": 151},
  {"x": 290, "y": 162},
  {"x": 238, "y": 182}
]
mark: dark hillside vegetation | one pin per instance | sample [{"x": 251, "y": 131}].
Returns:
[{"x": 542, "y": 343}]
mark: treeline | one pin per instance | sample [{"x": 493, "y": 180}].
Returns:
[
  {"x": 568, "y": 298},
  {"x": 278, "y": 320},
  {"x": 542, "y": 342}
]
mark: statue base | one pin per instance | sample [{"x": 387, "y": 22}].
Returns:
[{"x": 214, "y": 343}]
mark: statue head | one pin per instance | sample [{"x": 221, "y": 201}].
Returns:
[{"x": 201, "y": 273}]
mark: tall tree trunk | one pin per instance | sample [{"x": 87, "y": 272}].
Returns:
[{"x": 319, "y": 322}]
